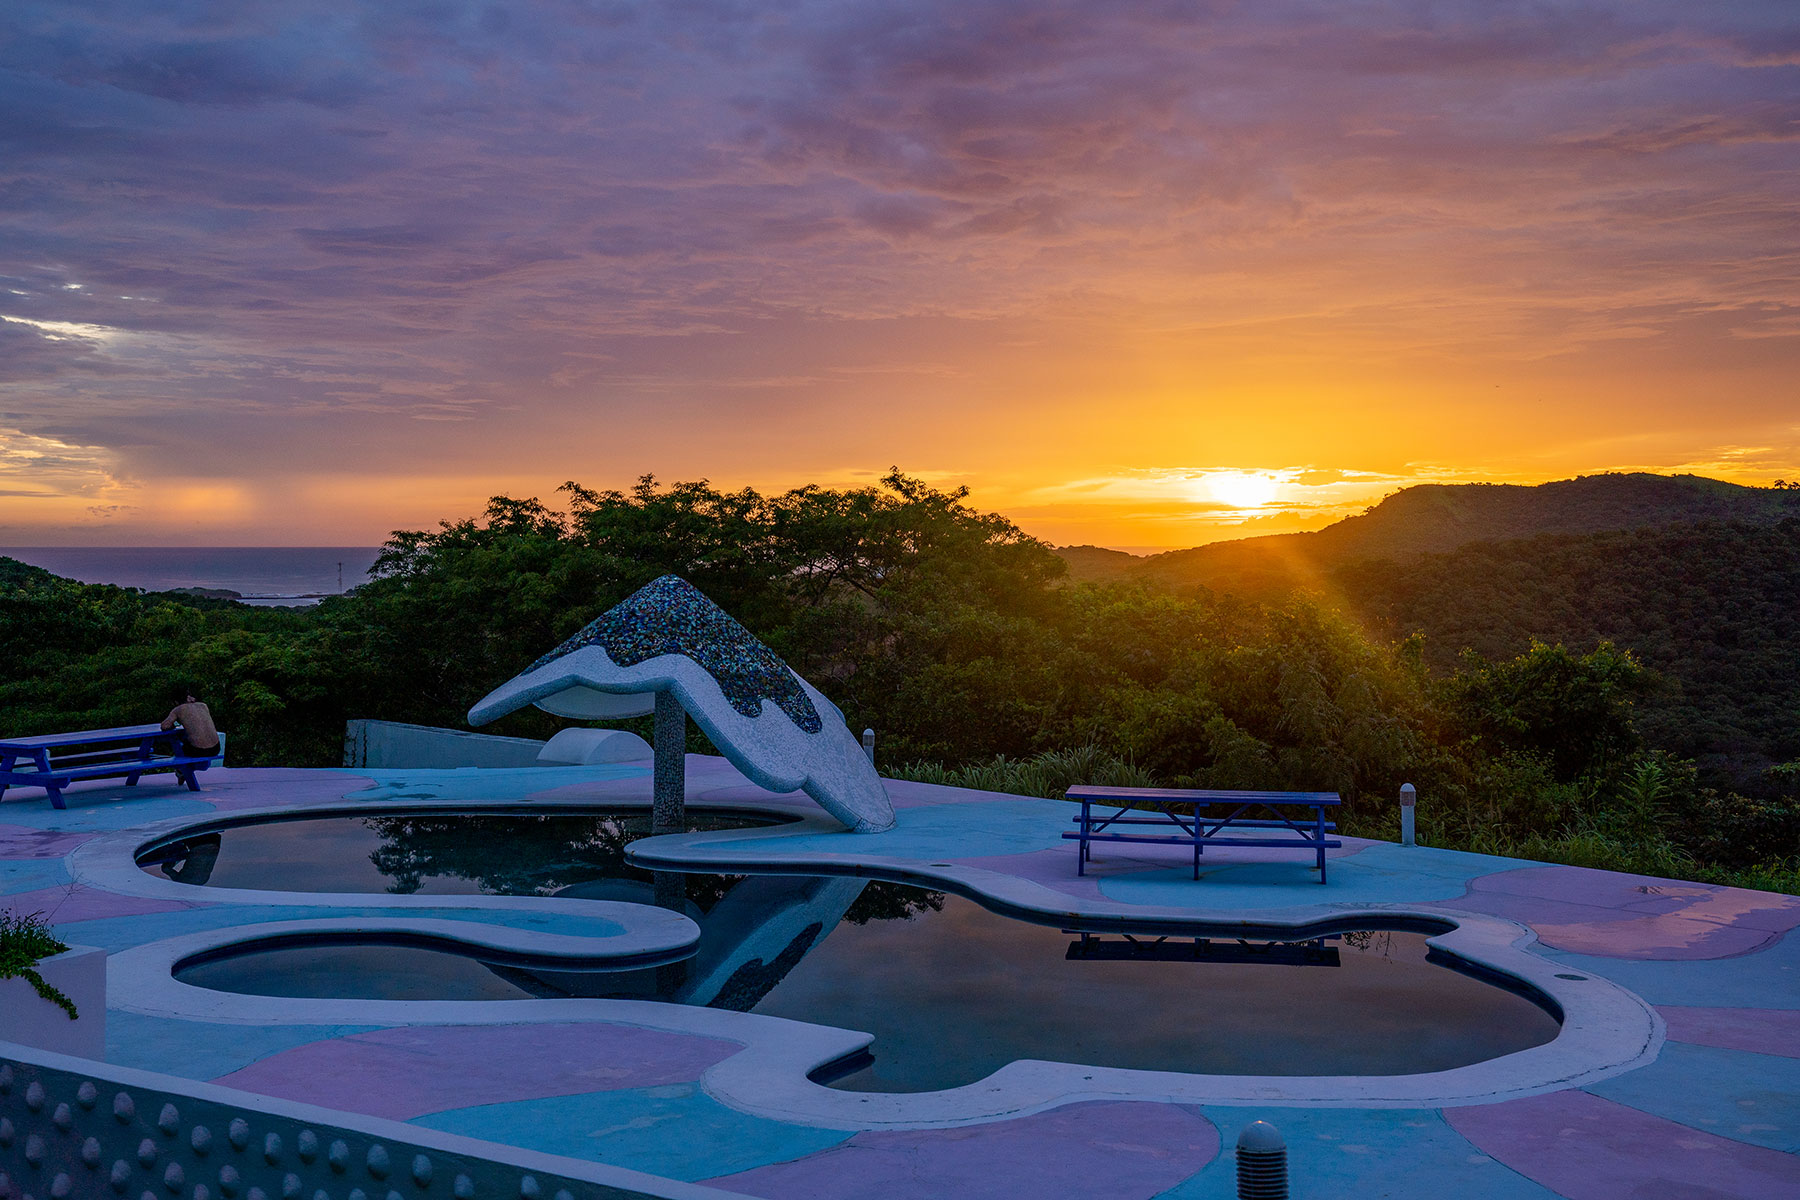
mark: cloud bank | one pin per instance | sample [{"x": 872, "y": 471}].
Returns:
[{"x": 1015, "y": 242}]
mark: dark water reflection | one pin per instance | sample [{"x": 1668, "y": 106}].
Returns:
[{"x": 950, "y": 990}]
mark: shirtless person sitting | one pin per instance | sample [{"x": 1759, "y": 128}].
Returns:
[{"x": 199, "y": 736}]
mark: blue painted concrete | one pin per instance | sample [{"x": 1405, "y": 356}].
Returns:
[
  {"x": 483, "y": 783},
  {"x": 30, "y": 874},
  {"x": 204, "y": 1050},
  {"x": 675, "y": 1130},
  {"x": 1769, "y": 978},
  {"x": 1429, "y": 861},
  {"x": 1396, "y": 1154},
  {"x": 1379, "y": 874},
  {"x": 100, "y": 810},
  {"x": 1737, "y": 1094},
  {"x": 938, "y": 833}
]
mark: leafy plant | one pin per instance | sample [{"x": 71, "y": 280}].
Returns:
[{"x": 25, "y": 941}]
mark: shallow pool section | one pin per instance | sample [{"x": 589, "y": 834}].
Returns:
[
  {"x": 950, "y": 991},
  {"x": 366, "y": 971}
]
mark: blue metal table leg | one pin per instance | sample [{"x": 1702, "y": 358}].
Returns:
[{"x": 1319, "y": 832}]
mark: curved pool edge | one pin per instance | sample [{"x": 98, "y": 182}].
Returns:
[
  {"x": 1606, "y": 1030},
  {"x": 109, "y": 861}
]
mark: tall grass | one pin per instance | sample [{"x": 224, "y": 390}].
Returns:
[{"x": 1049, "y": 774}]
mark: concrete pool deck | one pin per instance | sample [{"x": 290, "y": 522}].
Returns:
[{"x": 1678, "y": 1074}]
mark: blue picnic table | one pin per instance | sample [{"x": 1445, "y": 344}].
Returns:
[
  {"x": 52, "y": 761},
  {"x": 1200, "y": 817}
]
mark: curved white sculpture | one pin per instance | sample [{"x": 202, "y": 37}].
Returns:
[
  {"x": 771, "y": 724},
  {"x": 591, "y": 747}
]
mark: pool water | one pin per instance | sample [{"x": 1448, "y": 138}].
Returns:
[{"x": 950, "y": 990}]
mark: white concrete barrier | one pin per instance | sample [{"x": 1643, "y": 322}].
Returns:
[
  {"x": 26, "y": 1017},
  {"x": 588, "y": 747}
]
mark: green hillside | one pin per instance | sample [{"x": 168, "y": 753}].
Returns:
[
  {"x": 1698, "y": 578},
  {"x": 1435, "y": 518},
  {"x": 1714, "y": 609}
]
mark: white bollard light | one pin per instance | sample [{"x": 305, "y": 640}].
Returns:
[
  {"x": 1408, "y": 795},
  {"x": 869, "y": 745}
]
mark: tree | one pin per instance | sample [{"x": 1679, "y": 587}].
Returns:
[{"x": 1576, "y": 711}]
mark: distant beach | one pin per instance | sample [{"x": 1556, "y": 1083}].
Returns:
[{"x": 261, "y": 575}]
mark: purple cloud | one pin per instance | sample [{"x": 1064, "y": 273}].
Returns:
[{"x": 336, "y": 228}]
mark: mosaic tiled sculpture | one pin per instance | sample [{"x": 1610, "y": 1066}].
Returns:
[{"x": 666, "y": 637}]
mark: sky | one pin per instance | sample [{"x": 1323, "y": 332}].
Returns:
[{"x": 1138, "y": 274}]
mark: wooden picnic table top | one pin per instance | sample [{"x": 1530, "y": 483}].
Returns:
[
  {"x": 1201, "y": 795},
  {"x": 86, "y": 737}
]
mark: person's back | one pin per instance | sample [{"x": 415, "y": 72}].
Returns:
[{"x": 199, "y": 736}]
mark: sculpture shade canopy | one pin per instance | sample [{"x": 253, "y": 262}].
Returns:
[{"x": 772, "y": 725}]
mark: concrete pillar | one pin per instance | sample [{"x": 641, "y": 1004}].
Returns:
[{"x": 669, "y": 813}]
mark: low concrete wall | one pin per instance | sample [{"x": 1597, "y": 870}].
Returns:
[
  {"x": 71, "y": 1128},
  {"x": 392, "y": 744},
  {"x": 78, "y": 973}
]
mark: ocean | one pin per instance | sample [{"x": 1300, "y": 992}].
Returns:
[{"x": 263, "y": 575}]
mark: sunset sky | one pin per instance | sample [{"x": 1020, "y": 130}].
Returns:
[{"x": 1140, "y": 274}]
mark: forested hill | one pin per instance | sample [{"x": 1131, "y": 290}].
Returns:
[
  {"x": 1699, "y": 579},
  {"x": 1712, "y": 608},
  {"x": 1435, "y": 518}
]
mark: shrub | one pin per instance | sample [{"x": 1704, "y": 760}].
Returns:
[{"x": 25, "y": 941}]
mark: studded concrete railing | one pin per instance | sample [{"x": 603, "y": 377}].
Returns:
[{"x": 75, "y": 1129}]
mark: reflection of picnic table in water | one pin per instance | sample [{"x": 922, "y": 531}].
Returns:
[{"x": 1128, "y": 947}]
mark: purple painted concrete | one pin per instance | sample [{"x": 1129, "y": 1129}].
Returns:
[
  {"x": 74, "y": 902},
  {"x": 1762, "y": 1030},
  {"x": 1633, "y": 916},
  {"x": 231, "y": 788},
  {"x": 22, "y": 841},
  {"x": 1593, "y": 1149},
  {"x": 408, "y": 1072},
  {"x": 1115, "y": 1150}
]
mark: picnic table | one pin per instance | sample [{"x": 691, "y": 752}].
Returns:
[
  {"x": 52, "y": 761},
  {"x": 1200, "y": 818}
]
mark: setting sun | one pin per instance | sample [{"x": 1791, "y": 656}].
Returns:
[{"x": 1242, "y": 489}]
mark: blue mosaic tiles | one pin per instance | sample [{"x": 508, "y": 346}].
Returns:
[{"x": 671, "y": 616}]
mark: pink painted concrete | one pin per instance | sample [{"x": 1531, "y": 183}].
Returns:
[
  {"x": 1114, "y": 1150},
  {"x": 1761, "y": 1030},
  {"x": 1592, "y": 1149},
  {"x": 1633, "y": 916},
  {"x": 22, "y": 841},
  {"x": 408, "y": 1072},
  {"x": 75, "y": 902}
]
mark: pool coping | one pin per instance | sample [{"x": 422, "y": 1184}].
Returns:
[{"x": 1606, "y": 1030}]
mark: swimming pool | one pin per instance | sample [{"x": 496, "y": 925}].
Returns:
[{"x": 950, "y": 990}]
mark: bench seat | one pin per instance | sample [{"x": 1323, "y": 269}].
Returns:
[
  {"x": 1196, "y": 818},
  {"x": 1236, "y": 823},
  {"x": 59, "y": 777}
]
